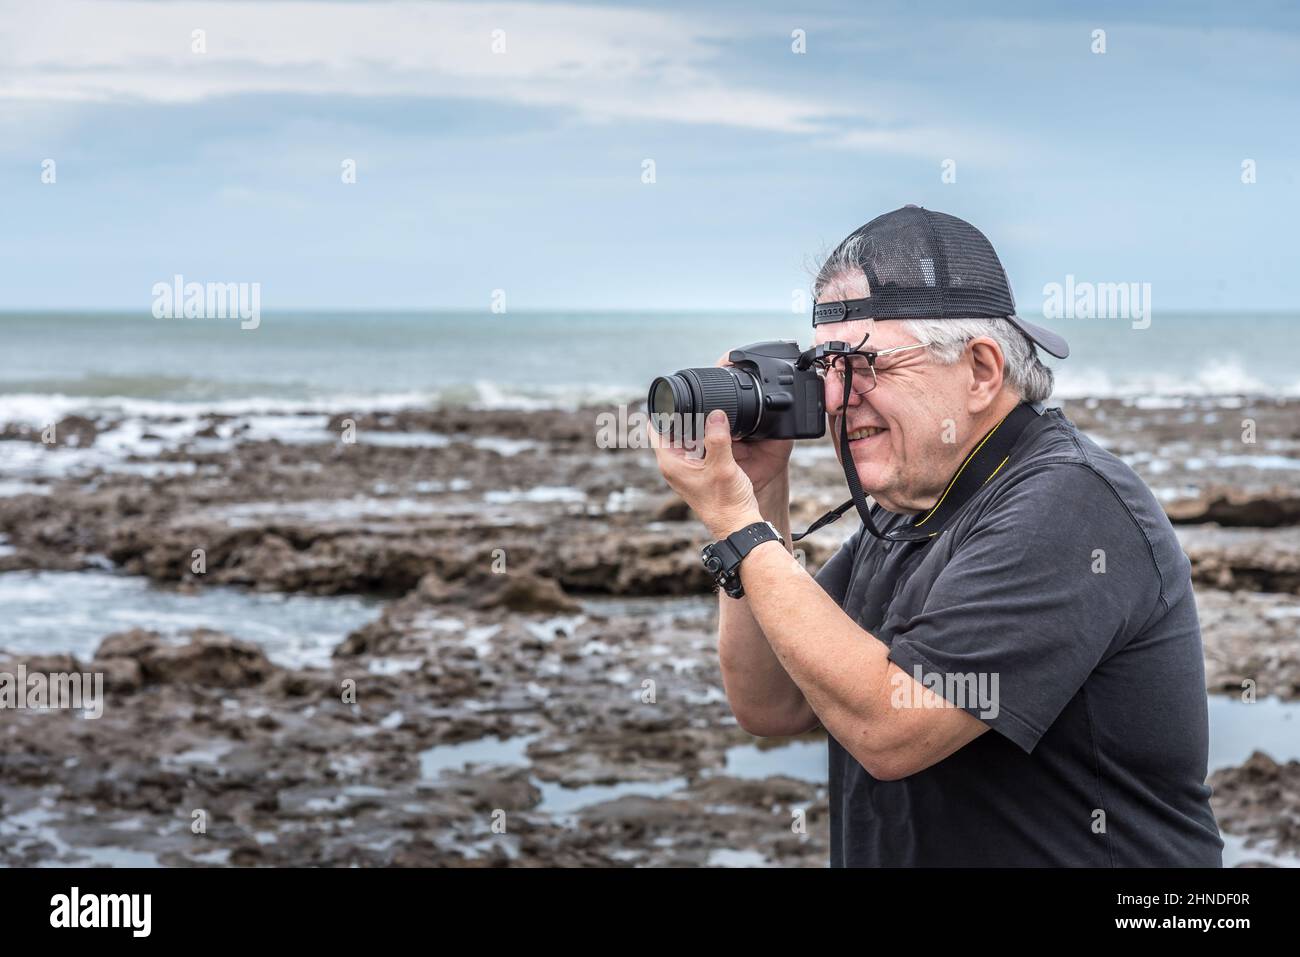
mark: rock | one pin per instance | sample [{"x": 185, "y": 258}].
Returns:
[
  {"x": 72, "y": 430},
  {"x": 528, "y": 593},
  {"x": 493, "y": 788},
  {"x": 1250, "y": 637},
  {"x": 44, "y": 664},
  {"x": 209, "y": 659},
  {"x": 267, "y": 562},
  {"x": 634, "y": 563},
  {"x": 415, "y": 521},
  {"x": 1244, "y": 559},
  {"x": 1235, "y": 507},
  {"x": 673, "y": 510},
  {"x": 371, "y": 639},
  {"x": 540, "y": 425},
  {"x": 128, "y": 644},
  {"x": 1260, "y": 800},
  {"x": 434, "y": 590},
  {"x": 122, "y": 675},
  {"x": 305, "y": 684}
]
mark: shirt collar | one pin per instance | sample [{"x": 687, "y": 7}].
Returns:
[{"x": 985, "y": 460}]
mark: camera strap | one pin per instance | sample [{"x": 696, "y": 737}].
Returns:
[{"x": 983, "y": 462}]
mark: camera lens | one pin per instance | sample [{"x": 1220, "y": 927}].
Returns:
[
  {"x": 662, "y": 400},
  {"x": 676, "y": 400}
]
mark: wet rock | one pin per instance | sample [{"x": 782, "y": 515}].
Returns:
[
  {"x": 208, "y": 658},
  {"x": 527, "y": 593},
  {"x": 1240, "y": 559},
  {"x": 305, "y": 684},
  {"x": 434, "y": 590},
  {"x": 135, "y": 643},
  {"x": 1260, "y": 800},
  {"x": 71, "y": 430},
  {"x": 636, "y": 563},
  {"x": 43, "y": 664},
  {"x": 491, "y": 789},
  {"x": 1235, "y": 508},
  {"x": 121, "y": 675},
  {"x": 673, "y": 509},
  {"x": 1251, "y": 638},
  {"x": 774, "y": 791},
  {"x": 604, "y": 599},
  {"x": 572, "y": 428}
]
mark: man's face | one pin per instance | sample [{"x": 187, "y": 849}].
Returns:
[{"x": 916, "y": 401}]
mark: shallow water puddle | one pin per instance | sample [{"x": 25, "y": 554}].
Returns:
[
  {"x": 510, "y": 752},
  {"x": 558, "y": 799},
  {"x": 1238, "y": 729},
  {"x": 802, "y": 760},
  {"x": 38, "y": 824},
  {"x": 1235, "y": 852},
  {"x": 723, "y": 857},
  {"x": 71, "y": 613}
]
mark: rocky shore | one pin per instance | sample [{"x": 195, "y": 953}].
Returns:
[{"x": 539, "y": 683}]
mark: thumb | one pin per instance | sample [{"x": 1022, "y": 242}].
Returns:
[{"x": 717, "y": 436}]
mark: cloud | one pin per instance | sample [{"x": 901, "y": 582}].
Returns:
[
  {"x": 603, "y": 63},
  {"x": 600, "y": 63}
]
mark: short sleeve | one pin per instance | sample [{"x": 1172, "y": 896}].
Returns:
[{"x": 1053, "y": 573}]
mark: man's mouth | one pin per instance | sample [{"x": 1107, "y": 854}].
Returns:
[{"x": 867, "y": 433}]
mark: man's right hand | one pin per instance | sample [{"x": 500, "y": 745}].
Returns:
[{"x": 767, "y": 463}]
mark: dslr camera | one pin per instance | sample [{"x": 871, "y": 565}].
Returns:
[{"x": 771, "y": 390}]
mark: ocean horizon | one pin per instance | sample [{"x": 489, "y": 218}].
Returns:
[{"x": 65, "y": 360}]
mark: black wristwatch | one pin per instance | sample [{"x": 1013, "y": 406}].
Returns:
[{"x": 722, "y": 559}]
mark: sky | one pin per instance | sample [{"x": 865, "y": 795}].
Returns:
[{"x": 507, "y": 147}]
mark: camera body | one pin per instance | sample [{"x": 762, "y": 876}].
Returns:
[{"x": 769, "y": 391}]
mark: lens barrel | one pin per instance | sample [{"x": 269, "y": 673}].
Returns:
[{"x": 676, "y": 399}]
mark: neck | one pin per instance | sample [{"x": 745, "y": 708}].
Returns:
[{"x": 981, "y": 425}]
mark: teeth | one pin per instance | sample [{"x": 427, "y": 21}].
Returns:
[{"x": 864, "y": 433}]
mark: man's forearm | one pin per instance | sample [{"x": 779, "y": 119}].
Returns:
[
  {"x": 839, "y": 669},
  {"x": 762, "y": 695}
]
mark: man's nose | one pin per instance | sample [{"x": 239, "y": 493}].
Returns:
[{"x": 835, "y": 395}]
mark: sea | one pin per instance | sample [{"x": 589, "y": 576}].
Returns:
[{"x": 54, "y": 362}]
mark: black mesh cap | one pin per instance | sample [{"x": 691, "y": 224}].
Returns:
[{"x": 921, "y": 264}]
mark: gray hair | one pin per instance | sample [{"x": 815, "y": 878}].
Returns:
[{"x": 1022, "y": 370}]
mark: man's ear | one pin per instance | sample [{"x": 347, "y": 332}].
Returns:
[{"x": 986, "y": 364}]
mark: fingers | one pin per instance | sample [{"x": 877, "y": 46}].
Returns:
[
  {"x": 667, "y": 452},
  {"x": 717, "y": 438}
]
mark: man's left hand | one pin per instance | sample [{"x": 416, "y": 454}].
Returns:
[{"x": 715, "y": 487}]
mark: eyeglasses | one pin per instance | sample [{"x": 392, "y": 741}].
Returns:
[{"x": 857, "y": 370}]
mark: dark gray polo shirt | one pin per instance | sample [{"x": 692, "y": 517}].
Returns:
[{"x": 1061, "y": 579}]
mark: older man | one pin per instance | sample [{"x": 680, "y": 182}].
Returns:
[{"x": 1012, "y": 577}]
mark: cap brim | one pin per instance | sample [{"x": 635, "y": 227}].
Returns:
[{"x": 1045, "y": 339}]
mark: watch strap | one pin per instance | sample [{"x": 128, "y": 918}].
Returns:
[{"x": 722, "y": 559}]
